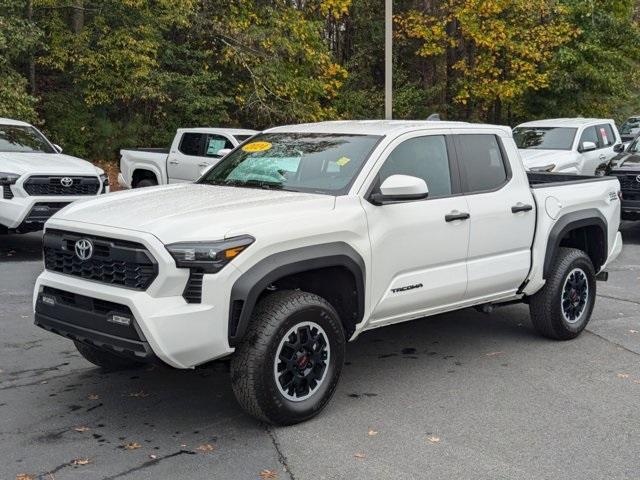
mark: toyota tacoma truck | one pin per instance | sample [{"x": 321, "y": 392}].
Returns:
[
  {"x": 37, "y": 180},
  {"x": 192, "y": 152},
  {"x": 306, "y": 236},
  {"x": 626, "y": 168},
  {"x": 582, "y": 146}
]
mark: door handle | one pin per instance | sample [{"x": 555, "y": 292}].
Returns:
[
  {"x": 521, "y": 207},
  {"x": 602, "y": 156},
  {"x": 173, "y": 162},
  {"x": 204, "y": 164},
  {"x": 455, "y": 215}
]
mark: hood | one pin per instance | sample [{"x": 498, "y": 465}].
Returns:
[
  {"x": 626, "y": 161},
  {"x": 540, "y": 158},
  {"x": 193, "y": 212},
  {"x": 44, "y": 163}
]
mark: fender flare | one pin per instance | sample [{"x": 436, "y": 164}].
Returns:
[
  {"x": 566, "y": 223},
  {"x": 247, "y": 288},
  {"x": 148, "y": 168}
]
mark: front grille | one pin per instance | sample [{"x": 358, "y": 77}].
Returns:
[
  {"x": 629, "y": 182},
  {"x": 116, "y": 262},
  {"x": 41, "y": 185},
  {"x": 193, "y": 291},
  {"x": 7, "y": 194}
]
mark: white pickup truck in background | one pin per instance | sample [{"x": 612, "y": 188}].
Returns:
[
  {"x": 308, "y": 235},
  {"x": 37, "y": 180},
  {"x": 192, "y": 151},
  {"x": 568, "y": 145}
]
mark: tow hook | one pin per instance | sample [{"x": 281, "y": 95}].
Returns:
[{"x": 602, "y": 276}]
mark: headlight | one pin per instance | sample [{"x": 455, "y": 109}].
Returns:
[
  {"x": 211, "y": 257},
  {"x": 8, "y": 178},
  {"x": 104, "y": 178},
  {"x": 546, "y": 168}
]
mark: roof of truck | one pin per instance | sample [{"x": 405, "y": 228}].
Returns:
[
  {"x": 378, "y": 127},
  {"x": 229, "y": 131},
  {"x": 10, "y": 121},
  {"x": 564, "y": 122}
]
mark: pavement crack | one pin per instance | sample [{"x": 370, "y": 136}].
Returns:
[
  {"x": 282, "y": 458},
  {"x": 150, "y": 463},
  {"x": 50, "y": 473},
  {"x": 612, "y": 342},
  {"x": 611, "y": 297}
]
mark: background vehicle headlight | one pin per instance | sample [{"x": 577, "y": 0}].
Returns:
[
  {"x": 104, "y": 178},
  {"x": 211, "y": 257},
  {"x": 545, "y": 168},
  {"x": 8, "y": 178}
]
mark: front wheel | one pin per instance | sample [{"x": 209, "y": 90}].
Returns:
[
  {"x": 288, "y": 365},
  {"x": 562, "y": 308}
]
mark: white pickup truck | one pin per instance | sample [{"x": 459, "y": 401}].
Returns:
[
  {"x": 36, "y": 180},
  {"x": 568, "y": 145},
  {"x": 308, "y": 235},
  {"x": 192, "y": 151}
]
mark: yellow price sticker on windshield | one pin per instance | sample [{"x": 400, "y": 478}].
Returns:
[
  {"x": 256, "y": 147},
  {"x": 342, "y": 161}
]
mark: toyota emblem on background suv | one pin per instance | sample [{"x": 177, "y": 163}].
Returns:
[
  {"x": 66, "y": 182},
  {"x": 84, "y": 249}
]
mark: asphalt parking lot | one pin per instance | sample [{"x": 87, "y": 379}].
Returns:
[{"x": 457, "y": 396}]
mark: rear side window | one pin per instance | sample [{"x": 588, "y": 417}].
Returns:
[
  {"x": 422, "y": 157},
  {"x": 606, "y": 138},
  {"x": 481, "y": 163}
]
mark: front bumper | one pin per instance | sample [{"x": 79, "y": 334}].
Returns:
[{"x": 180, "y": 334}]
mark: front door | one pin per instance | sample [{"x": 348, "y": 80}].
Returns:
[{"x": 418, "y": 249}]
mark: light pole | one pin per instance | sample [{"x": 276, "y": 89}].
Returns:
[{"x": 388, "y": 59}]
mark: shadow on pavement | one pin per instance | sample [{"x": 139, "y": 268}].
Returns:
[{"x": 16, "y": 248}]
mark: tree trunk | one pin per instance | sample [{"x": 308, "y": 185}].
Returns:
[
  {"x": 77, "y": 23},
  {"x": 32, "y": 61}
]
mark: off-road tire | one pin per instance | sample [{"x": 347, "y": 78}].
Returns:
[
  {"x": 146, "y": 182},
  {"x": 546, "y": 307},
  {"x": 252, "y": 365},
  {"x": 107, "y": 361}
]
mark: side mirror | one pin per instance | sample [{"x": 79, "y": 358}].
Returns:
[
  {"x": 400, "y": 188},
  {"x": 57, "y": 147},
  {"x": 223, "y": 151},
  {"x": 619, "y": 147},
  {"x": 588, "y": 146}
]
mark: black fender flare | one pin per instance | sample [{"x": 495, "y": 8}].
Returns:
[
  {"x": 566, "y": 223},
  {"x": 247, "y": 288}
]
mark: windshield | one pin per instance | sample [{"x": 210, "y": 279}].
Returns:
[
  {"x": 299, "y": 162},
  {"x": 544, "y": 138},
  {"x": 632, "y": 123},
  {"x": 16, "y": 138}
]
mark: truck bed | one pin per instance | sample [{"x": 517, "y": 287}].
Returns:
[{"x": 551, "y": 179}]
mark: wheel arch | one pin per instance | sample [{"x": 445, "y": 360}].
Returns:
[
  {"x": 333, "y": 270},
  {"x": 585, "y": 230},
  {"x": 141, "y": 172}
]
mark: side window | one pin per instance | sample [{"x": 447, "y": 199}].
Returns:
[
  {"x": 191, "y": 144},
  {"x": 606, "y": 137},
  {"x": 589, "y": 135},
  {"x": 481, "y": 163},
  {"x": 216, "y": 143},
  {"x": 422, "y": 157}
]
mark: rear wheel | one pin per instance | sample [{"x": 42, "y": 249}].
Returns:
[
  {"x": 107, "y": 361},
  {"x": 146, "y": 182},
  {"x": 602, "y": 170},
  {"x": 562, "y": 308},
  {"x": 287, "y": 368}
]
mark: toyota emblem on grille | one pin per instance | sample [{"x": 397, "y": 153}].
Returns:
[
  {"x": 66, "y": 182},
  {"x": 84, "y": 249},
  {"x": 638, "y": 179}
]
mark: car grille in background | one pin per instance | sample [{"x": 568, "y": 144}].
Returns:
[
  {"x": 7, "y": 194},
  {"x": 44, "y": 185},
  {"x": 39, "y": 214},
  {"x": 115, "y": 262},
  {"x": 629, "y": 182}
]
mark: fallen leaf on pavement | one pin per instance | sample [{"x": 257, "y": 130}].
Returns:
[
  {"x": 24, "y": 476},
  {"x": 131, "y": 446},
  {"x": 81, "y": 461},
  {"x": 633, "y": 331},
  {"x": 93, "y": 396},
  {"x": 372, "y": 432},
  {"x": 493, "y": 354},
  {"x": 359, "y": 455},
  {"x": 140, "y": 394},
  {"x": 153, "y": 457},
  {"x": 206, "y": 447},
  {"x": 623, "y": 375},
  {"x": 81, "y": 429},
  {"x": 268, "y": 474},
  {"x": 433, "y": 439}
]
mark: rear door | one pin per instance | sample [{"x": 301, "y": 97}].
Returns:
[
  {"x": 195, "y": 152},
  {"x": 502, "y": 216},
  {"x": 606, "y": 140}
]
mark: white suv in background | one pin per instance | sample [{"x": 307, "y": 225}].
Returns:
[
  {"x": 569, "y": 145},
  {"x": 36, "y": 180}
]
